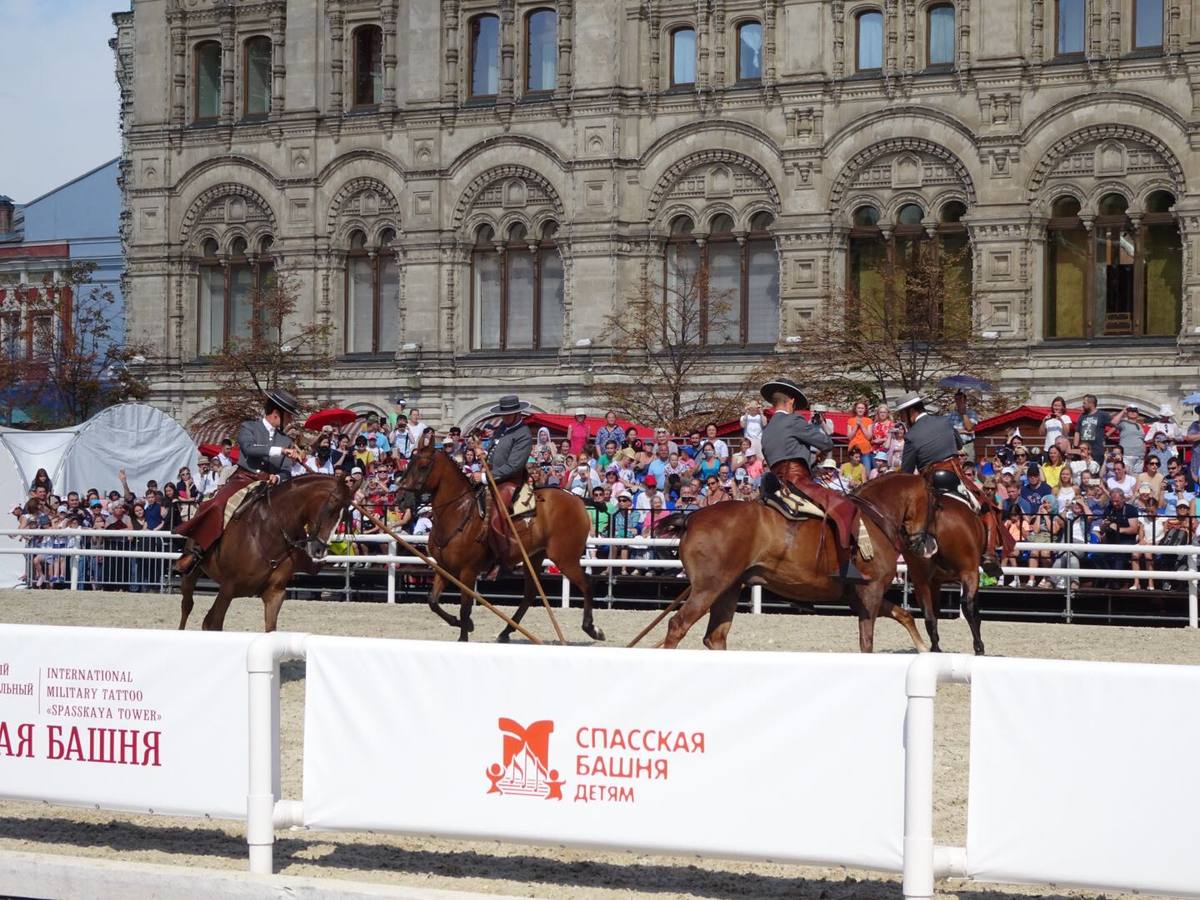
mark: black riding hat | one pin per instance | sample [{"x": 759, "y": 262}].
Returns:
[
  {"x": 284, "y": 401},
  {"x": 510, "y": 404},
  {"x": 784, "y": 386}
]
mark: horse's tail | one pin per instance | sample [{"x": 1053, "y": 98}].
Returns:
[{"x": 675, "y": 523}]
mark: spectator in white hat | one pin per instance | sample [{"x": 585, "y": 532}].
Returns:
[
  {"x": 829, "y": 476},
  {"x": 1165, "y": 425}
]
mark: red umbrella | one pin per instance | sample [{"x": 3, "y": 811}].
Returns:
[
  {"x": 210, "y": 450},
  {"x": 333, "y": 417}
]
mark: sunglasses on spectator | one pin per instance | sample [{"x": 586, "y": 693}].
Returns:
[
  {"x": 1152, "y": 462},
  {"x": 624, "y": 500}
]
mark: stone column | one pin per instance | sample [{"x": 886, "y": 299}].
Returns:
[
  {"x": 450, "y": 50},
  {"x": 1188, "y": 212},
  {"x": 278, "y": 64},
  {"x": 389, "y": 56},
  {"x": 179, "y": 79},
  {"x": 337, "y": 61},
  {"x": 565, "y": 44},
  {"x": 508, "y": 50},
  {"x": 227, "y": 63}
]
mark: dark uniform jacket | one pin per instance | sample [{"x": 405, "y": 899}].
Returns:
[
  {"x": 255, "y": 444},
  {"x": 790, "y": 436},
  {"x": 931, "y": 439},
  {"x": 510, "y": 451}
]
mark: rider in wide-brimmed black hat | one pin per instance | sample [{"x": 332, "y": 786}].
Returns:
[
  {"x": 265, "y": 453},
  {"x": 788, "y": 443},
  {"x": 507, "y": 458}
]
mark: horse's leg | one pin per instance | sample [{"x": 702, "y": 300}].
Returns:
[
  {"x": 435, "y": 593},
  {"x": 465, "y": 602},
  {"x": 574, "y": 573},
  {"x": 866, "y": 621},
  {"x": 273, "y": 598},
  {"x": 215, "y": 620},
  {"x": 901, "y": 615},
  {"x": 926, "y": 593},
  {"x": 535, "y": 561},
  {"x": 970, "y": 606},
  {"x": 720, "y": 618},
  {"x": 702, "y": 598},
  {"x": 187, "y": 586}
]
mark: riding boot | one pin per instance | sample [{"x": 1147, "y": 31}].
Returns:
[
  {"x": 848, "y": 573},
  {"x": 990, "y": 564},
  {"x": 188, "y": 560}
]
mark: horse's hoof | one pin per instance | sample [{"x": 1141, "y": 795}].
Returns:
[
  {"x": 979, "y": 650},
  {"x": 594, "y": 632},
  {"x": 462, "y": 639},
  {"x": 502, "y": 637},
  {"x": 469, "y": 626}
]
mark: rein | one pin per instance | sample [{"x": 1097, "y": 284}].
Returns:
[
  {"x": 421, "y": 477},
  {"x": 296, "y": 545}
]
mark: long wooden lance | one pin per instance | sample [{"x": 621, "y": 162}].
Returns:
[
  {"x": 433, "y": 564},
  {"x": 671, "y": 607},
  {"x": 521, "y": 546}
]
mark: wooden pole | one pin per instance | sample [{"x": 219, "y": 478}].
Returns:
[
  {"x": 433, "y": 564},
  {"x": 674, "y": 605},
  {"x": 521, "y": 546}
]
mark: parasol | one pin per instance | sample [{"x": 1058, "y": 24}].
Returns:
[
  {"x": 210, "y": 450},
  {"x": 334, "y": 417},
  {"x": 964, "y": 383},
  {"x": 1192, "y": 399}
]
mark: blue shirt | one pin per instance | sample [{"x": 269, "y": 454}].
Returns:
[
  {"x": 153, "y": 515},
  {"x": 1033, "y": 495},
  {"x": 658, "y": 468}
]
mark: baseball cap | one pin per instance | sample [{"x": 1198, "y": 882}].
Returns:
[
  {"x": 63, "y": 508},
  {"x": 651, "y": 481},
  {"x": 1034, "y": 469},
  {"x": 1009, "y": 470},
  {"x": 95, "y": 501},
  {"x": 357, "y": 470},
  {"x": 1144, "y": 488}
]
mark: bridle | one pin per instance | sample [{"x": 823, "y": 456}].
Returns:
[
  {"x": 300, "y": 545},
  {"x": 421, "y": 476}
]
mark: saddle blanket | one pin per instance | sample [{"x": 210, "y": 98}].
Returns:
[
  {"x": 963, "y": 496},
  {"x": 234, "y": 504},
  {"x": 525, "y": 501},
  {"x": 793, "y": 506}
]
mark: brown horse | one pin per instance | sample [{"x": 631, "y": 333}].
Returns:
[
  {"x": 458, "y": 541},
  {"x": 961, "y": 538},
  {"x": 731, "y": 544},
  {"x": 279, "y": 533}
]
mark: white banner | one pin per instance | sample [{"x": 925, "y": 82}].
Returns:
[
  {"x": 122, "y": 719},
  {"x": 781, "y": 756},
  {"x": 1085, "y": 774}
]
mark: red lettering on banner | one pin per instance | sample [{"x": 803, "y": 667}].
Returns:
[
  {"x": 150, "y": 748},
  {"x": 603, "y": 793},
  {"x": 120, "y": 746},
  {"x": 697, "y": 741},
  {"x": 660, "y": 768},
  {"x": 24, "y": 735}
]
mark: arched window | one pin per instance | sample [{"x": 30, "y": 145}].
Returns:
[
  {"x": 726, "y": 289},
  {"x": 256, "y": 77},
  {"x": 868, "y": 28},
  {"x": 206, "y": 95},
  {"x": 232, "y": 293},
  {"x": 941, "y": 35},
  {"x": 541, "y": 50},
  {"x": 1147, "y": 24},
  {"x": 372, "y": 294},
  {"x": 1115, "y": 280},
  {"x": 1069, "y": 27},
  {"x": 881, "y": 261},
  {"x": 485, "y": 56},
  {"x": 516, "y": 290},
  {"x": 683, "y": 57},
  {"x": 749, "y": 52},
  {"x": 368, "y": 65}
]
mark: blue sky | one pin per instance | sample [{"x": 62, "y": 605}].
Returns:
[{"x": 58, "y": 95}]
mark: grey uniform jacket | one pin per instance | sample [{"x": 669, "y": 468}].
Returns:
[
  {"x": 254, "y": 450},
  {"x": 510, "y": 452},
  {"x": 931, "y": 439},
  {"x": 789, "y": 436}
]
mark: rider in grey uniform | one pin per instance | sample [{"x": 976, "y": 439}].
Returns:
[{"x": 508, "y": 458}]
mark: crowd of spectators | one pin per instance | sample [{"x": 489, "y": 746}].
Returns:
[{"x": 1095, "y": 478}]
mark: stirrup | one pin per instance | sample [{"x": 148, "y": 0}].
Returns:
[
  {"x": 991, "y": 567},
  {"x": 187, "y": 563}
]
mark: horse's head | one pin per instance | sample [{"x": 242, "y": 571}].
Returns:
[
  {"x": 420, "y": 477},
  {"x": 322, "y": 524}
]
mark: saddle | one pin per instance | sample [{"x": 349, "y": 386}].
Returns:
[
  {"x": 787, "y": 501},
  {"x": 524, "y": 502},
  {"x": 945, "y": 483},
  {"x": 243, "y": 500}
]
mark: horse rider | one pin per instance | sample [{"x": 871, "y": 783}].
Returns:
[
  {"x": 507, "y": 459},
  {"x": 265, "y": 453},
  {"x": 788, "y": 443},
  {"x": 931, "y": 447}
]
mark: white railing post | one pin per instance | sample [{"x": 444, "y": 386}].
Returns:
[
  {"x": 565, "y": 603},
  {"x": 1193, "y": 593},
  {"x": 756, "y": 599},
  {"x": 74, "y": 573},
  {"x": 262, "y": 664},
  {"x": 921, "y": 687},
  {"x": 391, "y": 576}
]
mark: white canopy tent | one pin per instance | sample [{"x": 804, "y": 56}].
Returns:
[{"x": 144, "y": 441}]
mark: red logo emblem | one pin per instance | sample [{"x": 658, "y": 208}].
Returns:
[{"x": 526, "y": 770}]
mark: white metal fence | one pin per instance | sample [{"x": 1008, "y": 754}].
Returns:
[{"x": 140, "y": 560}]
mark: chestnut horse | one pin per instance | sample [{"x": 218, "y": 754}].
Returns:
[
  {"x": 458, "y": 541},
  {"x": 736, "y": 543},
  {"x": 281, "y": 532},
  {"x": 961, "y": 538}
]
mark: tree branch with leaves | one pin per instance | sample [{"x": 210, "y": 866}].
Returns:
[{"x": 276, "y": 353}]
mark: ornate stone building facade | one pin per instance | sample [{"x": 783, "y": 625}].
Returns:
[{"x": 465, "y": 188}]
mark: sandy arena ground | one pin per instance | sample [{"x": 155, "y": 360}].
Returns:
[{"x": 523, "y": 870}]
